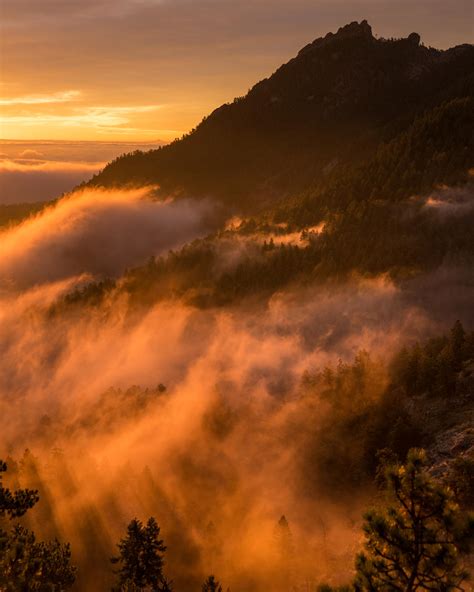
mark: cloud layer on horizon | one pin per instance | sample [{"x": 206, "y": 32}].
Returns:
[{"x": 42, "y": 171}]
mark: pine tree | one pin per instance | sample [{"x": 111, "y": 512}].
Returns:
[
  {"x": 211, "y": 585},
  {"x": 284, "y": 552},
  {"x": 15, "y": 503},
  {"x": 26, "y": 564},
  {"x": 140, "y": 559},
  {"x": 284, "y": 539},
  {"x": 415, "y": 543}
]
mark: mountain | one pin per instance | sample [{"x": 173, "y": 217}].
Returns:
[
  {"x": 357, "y": 156},
  {"x": 332, "y": 106}
]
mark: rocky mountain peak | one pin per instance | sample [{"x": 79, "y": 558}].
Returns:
[
  {"x": 414, "y": 39},
  {"x": 352, "y": 30},
  {"x": 355, "y": 29}
]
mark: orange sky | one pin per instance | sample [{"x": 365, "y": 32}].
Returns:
[{"x": 151, "y": 69}]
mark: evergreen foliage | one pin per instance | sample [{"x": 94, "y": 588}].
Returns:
[
  {"x": 211, "y": 585},
  {"x": 285, "y": 553},
  {"x": 140, "y": 560},
  {"x": 417, "y": 540},
  {"x": 15, "y": 503},
  {"x": 32, "y": 566},
  {"x": 26, "y": 564},
  {"x": 371, "y": 406},
  {"x": 434, "y": 366},
  {"x": 415, "y": 543},
  {"x": 12, "y": 214}
]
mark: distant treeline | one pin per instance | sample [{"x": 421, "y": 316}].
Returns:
[{"x": 11, "y": 214}]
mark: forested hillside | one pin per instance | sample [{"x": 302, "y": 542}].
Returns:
[
  {"x": 205, "y": 385},
  {"x": 408, "y": 209},
  {"x": 329, "y": 107},
  {"x": 349, "y": 422},
  {"x": 11, "y": 214},
  {"x": 355, "y": 156}
]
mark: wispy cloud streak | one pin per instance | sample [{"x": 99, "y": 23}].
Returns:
[
  {"x": 94, "y": 117},
  {"x": 59, "y": 97}
]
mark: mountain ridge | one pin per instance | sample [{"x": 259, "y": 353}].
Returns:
[{"x": 335, "y": 102}]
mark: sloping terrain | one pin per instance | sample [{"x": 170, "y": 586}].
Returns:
[{"x": 329, "y": 107}]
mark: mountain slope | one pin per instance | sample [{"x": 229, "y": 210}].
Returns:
[
  {"x": 330, "y": 106},
  {"x": 357, "y": 156}
]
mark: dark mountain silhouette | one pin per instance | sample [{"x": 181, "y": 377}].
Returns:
[{"x": 328, "y": 108}]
